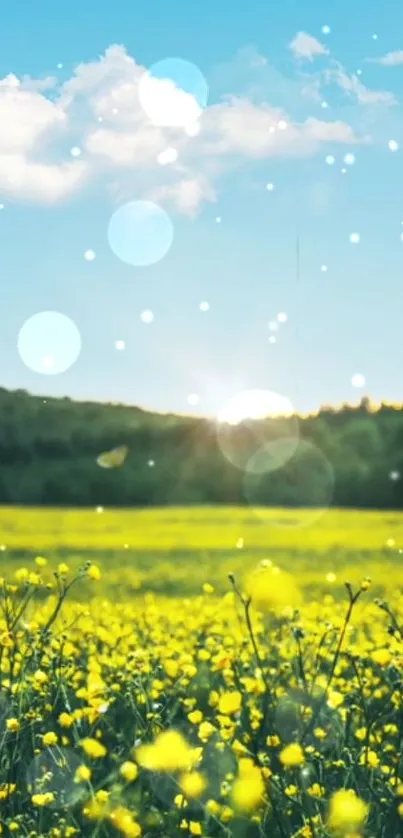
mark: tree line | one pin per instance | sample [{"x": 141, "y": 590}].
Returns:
[{"x": 351, "y": 456}]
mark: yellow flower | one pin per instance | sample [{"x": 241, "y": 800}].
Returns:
[
  {"x": 43, "y": 799},
  {"x": 207, "y": 588},
  {"x": 347, "y": 811},
  {"x": 40, "y": 676},
  {"x": 129, "y": 771},
  {"x": 206, "y": 729},
  {"x": 195, "y": 717},
  {"x": 370, "y": 758},
  {"x": 65, "y": 720},
  {"x": 230, "y": 703},
  {"x": 22, "y": 574},
  {"x": 49, "y": 739},
  {"x": 382, "y": 657},
  {"x": 96, "y": 809},
  {"x": 335, "y": 699},
  {"x": 6, "y": 789},
  {"x": 248, "y": 788},
  {"x": 94, "y": 572},
  {"x": 83, "y": 774},
  {"x": 123, "y": 820},
  {"x": 192, "y": 785},
  {"x": 213, "y": 807},
  {"x": 63, "y": 568},
  {"x": 13, "y": 725},
  {"x": 180, "y": 801},
  {"x": 171, "y": 668},
  {"x": 40, "y": 561},
  {"x": 269, "y": 588},
  {"x": 93, "y": 748},
  {"x": 203, "y": 655},
  {"x": 320, "y": 733},
  {"x": 195, "y": 828},
  {"x": 226, "y": 814},
  {"x": 316, "y": 790},
  {"x": 170, "y": 752},
  {"x": 292, "y": 755},
  {"x": 391, "y": 728},
  {"x": 6, "y": 640}
]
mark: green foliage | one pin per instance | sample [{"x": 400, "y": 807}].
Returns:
[{"x": 49, "y": 450}]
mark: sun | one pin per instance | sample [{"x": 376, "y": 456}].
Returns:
[{"x": 254, "y": 404}]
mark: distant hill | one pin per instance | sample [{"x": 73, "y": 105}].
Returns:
[{"x": 49, "y": 450}]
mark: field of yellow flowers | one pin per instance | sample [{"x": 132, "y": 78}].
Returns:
[{"x": 198, "y": 672}]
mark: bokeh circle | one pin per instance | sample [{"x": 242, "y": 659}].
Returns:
[
  {"x": 173, "y": 93},
  {"x": 140, "y": 233},
  {"x": 293, "y": 719},
  {"x": 251, "y": 421},
  {"x": 297, "y": 477},
  {"x": 54, "y": 771},
  {"x": 49, "y": 343}
]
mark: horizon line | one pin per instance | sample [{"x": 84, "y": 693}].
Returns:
[{"x": 373, "y": 406}]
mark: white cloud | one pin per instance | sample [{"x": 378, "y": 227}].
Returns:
[
  {"x": 311, "y": 89},
  {"x": 305, "y": 46},
  {"x": 242, "y": 128},
  {"x": 391, "y": 59},
  {"x": 124, "y": 148},
  {"x": 28, "y": 83},
  {"x": 98, "y": 110},
  {"x": 351, "y": 85},
  {"x": 105, "y": 83},
  {"x": 25, "y": 116},
  {"x": 187, "y": 194},
  {"x": 23, "y": 178},
  {"x": 28, "y": 119}
]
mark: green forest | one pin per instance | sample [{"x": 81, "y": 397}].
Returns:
[{"x": 49, "y": 450}]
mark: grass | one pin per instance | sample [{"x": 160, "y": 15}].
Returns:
[
  {"x": 197, "y": 528},
  {"x": 174, "y": 550}
]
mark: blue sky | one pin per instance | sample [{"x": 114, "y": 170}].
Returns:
[{"x": 285, "y": 98}]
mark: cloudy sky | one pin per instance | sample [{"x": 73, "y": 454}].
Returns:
[{"x": 160, "y": 167}]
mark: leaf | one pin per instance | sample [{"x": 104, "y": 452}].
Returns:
[{"x": 114, "y": 458}]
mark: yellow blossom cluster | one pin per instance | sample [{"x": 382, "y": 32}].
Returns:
[{"x": 201, "y": 715}]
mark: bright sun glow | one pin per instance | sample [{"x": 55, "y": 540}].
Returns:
[{"x": 254, "y": 404}]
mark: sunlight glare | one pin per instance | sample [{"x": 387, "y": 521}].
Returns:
[{"x": 254, "y": 404}]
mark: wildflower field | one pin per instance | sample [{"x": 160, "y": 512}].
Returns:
[{"x": 201, "y": 671}]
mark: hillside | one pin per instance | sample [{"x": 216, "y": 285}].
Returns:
[{"x": 49, "y": 450}]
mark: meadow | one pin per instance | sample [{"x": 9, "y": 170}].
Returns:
[{"x": 201, "y": 671}]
